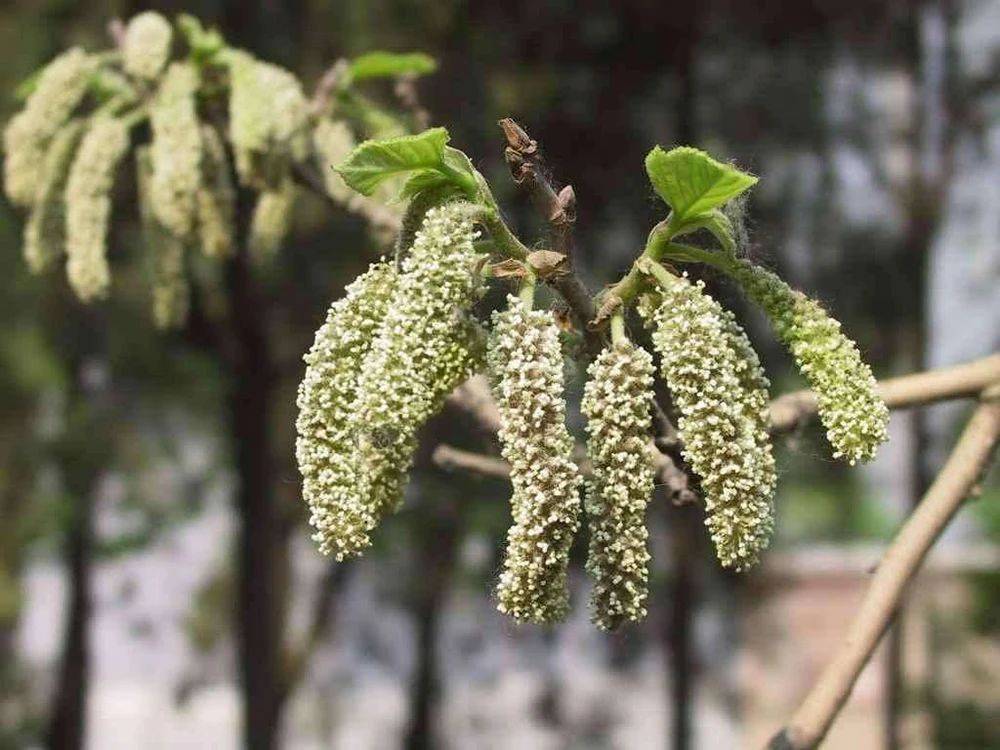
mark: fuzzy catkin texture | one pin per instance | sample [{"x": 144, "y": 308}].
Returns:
[
  {"x": 332, "y": 142},
  {"x": 427, "y": 345},
  {"x": 526, "y": 366},
  {"x": 88, "y": 206},
  {"x": 616, "y": 402},
  {"x": 268, "y": 115},
  {"x": 45, "y": 231},
  {"x": 176, "y": 150},
  {"x": 719, "y": 393},
  {"x": 170, "y": 288},
  {"x": 146, "y": 46},
  {"x": 854, "y": 415},
  {"x": 326, "y": 445},
  {"x": 60, "y": 88},
  {"x": 271, "y": 220},
  {"x": 216, "y": 198}
]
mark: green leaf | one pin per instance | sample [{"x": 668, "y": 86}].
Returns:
[
  {"x": 391, "y": 65},
  {"x": 373, "y": 162},
  {"x": 205, "y": 43},
  {"x": 422, "y": 181},
  {"x": 692, "y": 182},
  {"x": 715, "y": 222}
]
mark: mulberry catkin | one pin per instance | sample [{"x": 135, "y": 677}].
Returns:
[
  {"x": 171, "y": 290},
  {"x": 616, "y": 402},
  {"x": 326, "y": 446},
  {"x": 216, "y": 197},
  {"x": 332, "y": 142},
  {"x": 88, "y": 205},
  {"x": 850, "y": 407},
  {"x": 60, "y": 87},
  {"x": 271, "y": 220},
  {"x": 427, "y": 345},
  {"x": 146, "y": 46},
  {"x": 45, "y": 232},
  {"x": 176, "y": 150},
  {"x": 526, "y": 366},
  {"x": 268, "y": 114},
  {"x": 718, "y": 393}
]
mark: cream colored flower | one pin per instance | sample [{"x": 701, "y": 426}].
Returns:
[
  {"x": 326, "y": 447},
  {"x": 88, "y": 205},
  {"x": 616, "y": 402},
  {"x": 850, "y": 407},
  {"x": 719, "y": 391},
  {"x": 146, "y": 47},
  {"x": 526, "y": 366},
  {"x": 60, "y": 88}
]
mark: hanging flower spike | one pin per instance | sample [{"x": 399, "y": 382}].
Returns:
[
  {"x": 855, "y": 416},
  {"x": 616, "y": 402},
  {"x": 271, "y": 220},
  {"x": 170, "y": 288},
  {"x": 45, "y": 232},
  {"x": 60, "y": 88},
  {"x": 526, "y": 365},
  {"x": 176, "y": 150},
  {"x": 88, "y": 206},
  {"x": 268, "y": 113},
  {"x": 426, "y": 346},
  {"x": 327, "y": 398},
  {"x": 718, "y": 393},
  {"x": 216, "y": 198},
  {"x": 146, "y": 47}
]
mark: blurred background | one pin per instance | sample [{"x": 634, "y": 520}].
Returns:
[{"x": 875, "y": 129}]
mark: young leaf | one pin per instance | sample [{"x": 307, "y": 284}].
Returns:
[
  {"x": 718, "y": 224},
  {"x": 373, "y": 162},
  {"x": 692, "y": 182},
  {"x": 391, "y": 65}
]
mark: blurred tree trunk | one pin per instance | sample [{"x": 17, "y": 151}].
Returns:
[
  {"x": 438, "y": 542},
  {"x": 683, "y": 523},
  {"x": 258, "y": 602},
  {"x": 67, "y": 727}
]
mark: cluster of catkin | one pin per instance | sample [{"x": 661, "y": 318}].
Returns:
[
  {"x": 394, "y": 347},
  {"x": 382, "y": 364},
  {"x": 64, "y": 150}
]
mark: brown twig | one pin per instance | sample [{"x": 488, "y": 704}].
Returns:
[
  {"x": 960, "y": 381},
  {"x": 450, "y": 458},
  {"x": 956, "y": 481},
  {"x": 475, "y": 399},
  {"x": 558, "y": 209}
]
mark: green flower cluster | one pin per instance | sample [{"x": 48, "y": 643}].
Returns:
[
  {"x": 146, "y": 47},
  {"x": 616, "y": 402},
  {"x": 427, "y": 345},
  {"x": 88, "y": 205},
  {"x": 45, "y": 231},
  {"x": 271, "y": 220},
  {"x": 268, "y": 119},
  {"x": 60, "y": 87},
  {"x": 327, "y": 399},
  {"x": 216, "y": 200},
  {"x": 526, "y": 366},
  {"x": 170, "y": 288},
  {"x": 176, "y": 150},
  {"x": 720, "y": 394},
  {"x": 855, "y": 416}
]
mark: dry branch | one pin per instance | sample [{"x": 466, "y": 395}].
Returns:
[
  {"x": 956, "y": 481},
  {"x": 450, "y": 458}
]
